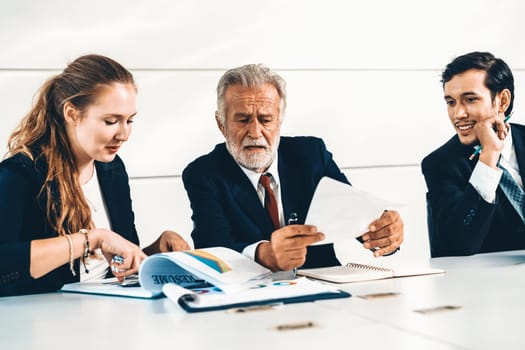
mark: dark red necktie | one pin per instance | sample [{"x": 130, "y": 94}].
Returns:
[{"x": 270, "y": 203}]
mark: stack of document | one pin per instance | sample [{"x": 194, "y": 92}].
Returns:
[{"x": 210, "y": 279}]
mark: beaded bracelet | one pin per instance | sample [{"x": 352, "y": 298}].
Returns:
[
  {"x": 87, "y": 251},
  {"x": 71, "y": 265}
]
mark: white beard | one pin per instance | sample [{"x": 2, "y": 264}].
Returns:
[{"x": 256, "y": 161}]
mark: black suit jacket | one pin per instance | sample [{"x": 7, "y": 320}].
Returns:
[
  {"x": 460, "y": 222},
  {"x": 227, "y": 211},
  {"x": 23, "y": 219}
]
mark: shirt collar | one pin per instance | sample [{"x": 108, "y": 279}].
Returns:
[
  {"x": 507, "y": 146},
  {"x": 254, "y": 176}
]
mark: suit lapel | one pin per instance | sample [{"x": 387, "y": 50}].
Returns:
[
  {"x": 519, "y": 146},
  {"x": 105, "y": 179},
  {"x": 244, "y": 193},
  {"x": 290, "y": 192}
]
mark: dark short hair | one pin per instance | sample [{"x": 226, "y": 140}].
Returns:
[{"x": 499, "y": 76}]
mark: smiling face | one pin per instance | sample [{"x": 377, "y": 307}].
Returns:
[
  {"x": 469, "y": 101},
  {"x": 252, "y": 125},
  {"x": 98, "y": 132}
]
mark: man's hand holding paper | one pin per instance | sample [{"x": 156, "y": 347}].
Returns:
[
  {"x": 341, "y": 211},
  {"x": 287, "y": 247},
  {"x": 385, "y": 234}
]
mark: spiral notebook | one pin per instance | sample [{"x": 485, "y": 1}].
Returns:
[{"x": 354, "y": 272}]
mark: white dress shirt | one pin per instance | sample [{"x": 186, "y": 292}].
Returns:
[
  {"x": 254, "y": 177},
  {"x": 486, "y": 179},
  {"x": 96, "y": 263}
]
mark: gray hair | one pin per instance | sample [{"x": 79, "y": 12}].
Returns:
[{"x": 250, "y": 75}]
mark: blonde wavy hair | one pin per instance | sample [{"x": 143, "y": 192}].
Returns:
[{"x": 42, "y": 134}]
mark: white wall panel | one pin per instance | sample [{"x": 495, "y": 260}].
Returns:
[
  {"x": 367, "y": 118},
  {"x": 17, "y": 89},
  {"x": 285, "y": 34},
  {"x": 175, "y": 123},
  {"x": 159, "y": 205}
]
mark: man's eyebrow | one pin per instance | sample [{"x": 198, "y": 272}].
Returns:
[
  {"x": 242, "y": 115},
  {"x": 467, "y": 93}
]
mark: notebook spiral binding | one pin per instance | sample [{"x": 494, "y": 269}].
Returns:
[{"x": 366, "y": 267}]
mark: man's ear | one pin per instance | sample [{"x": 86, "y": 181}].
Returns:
[
  {"x": 504, "y": 100},
  {"x": 220, "y": 124},
  {"x": 71, "y": 113}
]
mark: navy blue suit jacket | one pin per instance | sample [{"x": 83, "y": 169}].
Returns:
[
  {"x": 460, "y": 222},
  {"x": 227, "y": 211},
  {"x": 23, "y": 219}
]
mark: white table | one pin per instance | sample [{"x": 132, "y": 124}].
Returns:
[{"x": 489, "y": 288}]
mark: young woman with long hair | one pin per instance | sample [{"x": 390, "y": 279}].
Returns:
[{"x": 65, "y": 205}]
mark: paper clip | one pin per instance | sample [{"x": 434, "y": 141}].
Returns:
[
  {"x": 265, "y": 307},
  {"x": 294, "y": 326}
]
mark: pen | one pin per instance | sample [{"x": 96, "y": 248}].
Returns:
[
  {"x": 362, "y": 241},
  {"x": 478, "y": 148},
  {"x": 293, "y": 219}
]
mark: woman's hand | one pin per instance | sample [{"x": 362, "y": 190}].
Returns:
[{"x": 112, "y": 244}]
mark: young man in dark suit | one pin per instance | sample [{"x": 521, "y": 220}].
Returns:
[
  {"x": 475, "y": 195},
  {"x": 245, "y": 192}
]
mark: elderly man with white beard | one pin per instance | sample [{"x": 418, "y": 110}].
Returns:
[{"x": 252, "y": 193}]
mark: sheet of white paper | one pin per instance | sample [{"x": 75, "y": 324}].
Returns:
[{"x": 341, "y": 211}]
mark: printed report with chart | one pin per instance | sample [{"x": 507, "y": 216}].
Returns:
[{"x": 212, "y": 279}]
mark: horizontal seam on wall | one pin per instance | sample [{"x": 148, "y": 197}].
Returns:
[{"x": 387, "y": 166}]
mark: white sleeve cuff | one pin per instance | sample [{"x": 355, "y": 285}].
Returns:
[
  {"x": 485, "y": 180},
  {"x": 249, "y": 250}
]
